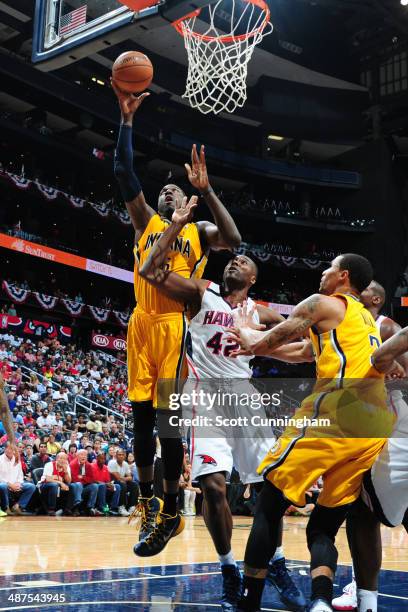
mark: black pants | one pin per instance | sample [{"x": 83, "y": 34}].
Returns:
[{"x": 131, "y": 488}]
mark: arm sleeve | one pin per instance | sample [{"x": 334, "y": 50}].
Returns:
[{"x": 129, "y": 184}]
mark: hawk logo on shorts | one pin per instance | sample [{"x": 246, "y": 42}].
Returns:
[{"x": 208, "y": 460}]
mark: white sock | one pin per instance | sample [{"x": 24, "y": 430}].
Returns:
[
  {"x": 367, "y": 600},
  {"x": 279, "y": 554},
  {"x": 227, "y": 559},
  {"x": 353, "y": 576}
]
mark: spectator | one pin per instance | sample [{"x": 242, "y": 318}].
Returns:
[
  {"x": 107, "y": 488},
  {"x": 133, "y": 467},
  {"x": 90, "y": 453},
  {"x": 29, "y": 419},
  {"x": 68, "y": 423},
  {"x": 53, "y": 447},
  {"x": 12, "y": 311},
  {"x": 13, "y": 485},
  {"x": 55, "y": 482},
  {"x": 81, "y": 425},
  {"x": 28, "y": 456},
  {"x": 42, "y": 422},
  {"x": 72, "y": 440},
  {"x": 61, "y": 394},
  {"x": 120, "y": 471},
  {"x": 73, "y": 449},
  {"x": 41, "y": 458},
  {"x": 83, "y": 485}
]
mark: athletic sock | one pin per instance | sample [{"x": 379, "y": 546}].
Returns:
[
  {"x": 322, "y": 588},
  {"x": 146, "y": 489},
  {"x": 279, "y": 554},
  {"x": 227, "y": 559},
  {"x": 367, "y": 600},
  {"x": 251, "y": 594},
  {"x": 170, "y": 503}
]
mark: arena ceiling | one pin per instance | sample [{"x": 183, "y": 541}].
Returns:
[{"x": 317, "y": 45}]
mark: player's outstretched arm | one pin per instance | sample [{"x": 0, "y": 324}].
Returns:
[
  {"x": 388, "y": 329},
  {"x": 312, "y": 311},
  {"x": 129, "y": 184},
  {"x": 223, "y": 233},
  {"x": 384, "y": 358},
  {"x": 295, "y": 352},
  {"x": 5, "y": 416}
]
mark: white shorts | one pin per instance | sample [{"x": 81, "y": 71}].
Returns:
[
  {"x": 217, "y": 448},
  {"x": 385, "y": 486}
]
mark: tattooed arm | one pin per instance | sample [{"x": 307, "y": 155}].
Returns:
[
  {"x": 316, "y": 310},
  {"x": 5, "y": 414},
  {"x": 384, "y": 357}
]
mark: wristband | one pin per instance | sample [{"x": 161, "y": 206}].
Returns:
[{"x": 205, "y": 193}]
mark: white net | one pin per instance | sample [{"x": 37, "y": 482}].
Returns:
[{"x": 217, "y": 59}]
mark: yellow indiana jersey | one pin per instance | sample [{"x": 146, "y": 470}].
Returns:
[
  {"x": 345, "y": 352},
  {"x": 186, "y": 258}
]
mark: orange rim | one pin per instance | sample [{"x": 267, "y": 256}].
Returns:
[{"x": 226, "y": 38}]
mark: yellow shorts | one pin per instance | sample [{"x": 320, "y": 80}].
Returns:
[
  {"x": 293, "y": 465},
  {"x": 155, "y": 352}
]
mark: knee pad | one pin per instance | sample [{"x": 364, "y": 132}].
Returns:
[{"x": 323, "y": 552}]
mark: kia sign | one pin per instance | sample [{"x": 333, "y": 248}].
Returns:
[{"x": 108, "y": 342}]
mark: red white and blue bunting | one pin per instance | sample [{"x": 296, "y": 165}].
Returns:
[
  {"x": 261, "y": 253},
  {"x": 15, "y": 293},
  {"x": 100, "y": 314},
  {"x": 74, "y": 308},
  {"x": 122, "y": 317},
  {"x": 20, "y": 181},
  {"x": 104, "y": 209},
  {"x": 51, "y": 193},
  {"x": 47, "y": 302}
]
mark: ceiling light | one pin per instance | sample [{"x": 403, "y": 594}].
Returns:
[
  {"x": 274, "y": 137},
  {"x": 404, "y": 2}
]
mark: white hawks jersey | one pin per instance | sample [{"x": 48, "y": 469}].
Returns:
[
  {"x": 379, "y": 321},
  {"x": 209, "y": 354}
]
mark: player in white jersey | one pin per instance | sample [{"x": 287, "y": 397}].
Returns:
[
  {"x": 385, "y": 486},
  {"x": 215, "y": 450}
]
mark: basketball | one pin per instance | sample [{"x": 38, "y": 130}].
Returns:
[{"x": 132, "y": 72}]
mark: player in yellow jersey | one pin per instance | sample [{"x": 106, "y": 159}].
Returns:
[
  {"x": 344, "y": 337},
  {"x": 158, "y": 326}
]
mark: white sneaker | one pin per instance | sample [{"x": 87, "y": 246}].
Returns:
[
  {"x": 132, "y": 509},
  {"x": 123, "y": 511},
  {"x": 319, "y": 605},
  {"x": 347, "y": 601}
]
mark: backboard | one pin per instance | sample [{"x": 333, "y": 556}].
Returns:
[{"x": 64, "y": 27}]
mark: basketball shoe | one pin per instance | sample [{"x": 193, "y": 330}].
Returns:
[
  {"x": 166, "y": 527},
  {"x": 231, "y": 587},
  {"x": 320, "y": 605},
  {"x": 347, "y": 601},
  {"x": 147, "y": 510},
  {"x": 279, "y": 577}
]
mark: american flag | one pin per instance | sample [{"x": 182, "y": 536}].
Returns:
[{"x": 72, "y": 20}]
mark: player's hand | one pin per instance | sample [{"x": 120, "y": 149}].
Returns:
[
  {"x": 396, "y": 371},
  {"x": 128, "y": 102},
  {"x": 197, "y": 172},
  {"x": 244, "y": 317},
  {"x": 183, "y": 213}
]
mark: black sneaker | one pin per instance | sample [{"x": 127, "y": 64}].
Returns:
[
  {"x": 166, "y": 527},
  {"x": 279, "y": 577},
  {"x": 231, "y": 587},
  {"x": 147, "y": 511}
]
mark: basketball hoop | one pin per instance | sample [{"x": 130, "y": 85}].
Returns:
[{"x": 218, "y": 60}]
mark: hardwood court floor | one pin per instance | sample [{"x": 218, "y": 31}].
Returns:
[{"x": 43, "y": 544}]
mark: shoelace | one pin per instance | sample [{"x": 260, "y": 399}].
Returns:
[
  {"x": 141, "y": 512},
  {"x": 349, "y": 590}
]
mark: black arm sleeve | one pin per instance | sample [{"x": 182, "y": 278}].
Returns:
[{"x": 129, "y": 184}]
